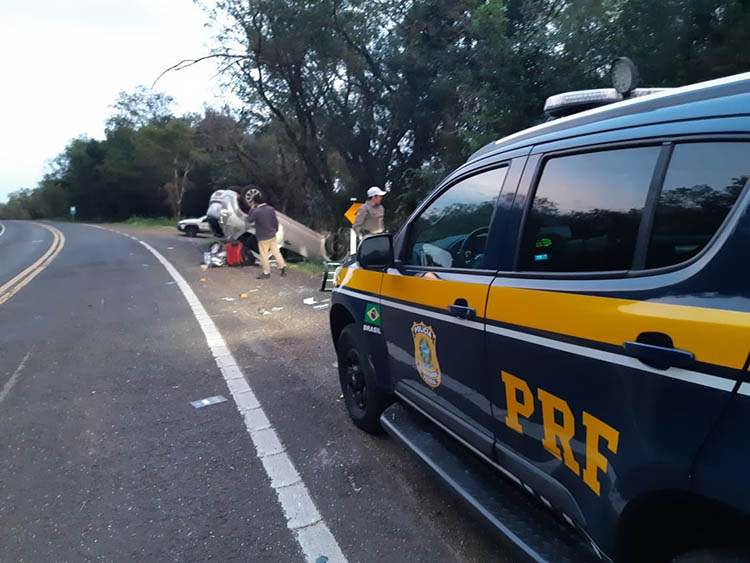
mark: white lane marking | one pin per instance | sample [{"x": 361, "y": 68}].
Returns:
[
  {"x": 302, "y": 516},
  {"x": 680, "y": 374},
  {"x": 13, "y": 378},
  {"x": 2, "y": 229}
]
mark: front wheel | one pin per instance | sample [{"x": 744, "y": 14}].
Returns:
[
  {"x": 364, "y": 400},
  {"x": 191, "y": 231}
]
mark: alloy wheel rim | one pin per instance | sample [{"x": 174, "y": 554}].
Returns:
[{"x": 355, "y": 379}]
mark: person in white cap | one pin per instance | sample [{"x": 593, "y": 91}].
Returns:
[{"x": 369, "y": 217}]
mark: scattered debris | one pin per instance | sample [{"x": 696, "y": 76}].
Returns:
[
  {"x": 216, "y": 255},
  {"x": 322, "y": 559},
  {"x": 170, "y": 248},
  {"x": 352, "y": 483},
  {"x": 276, "y": 309},
  {"x": 227, "y": 298},
  {"x": 204, "y": 267},
  {"x": 252, "y": 290},
  {"x": 208, "y": 401},
  {"x": 335, "y": 364},
  {"x": 263, "y": 311},
  {"x": 171, "y": 283},
  {"x": 243, "y": 295},
  {"x": 203, "y": 280},
  {"x": 309, "y": 301},
  {"x": 321, "y": 307}
]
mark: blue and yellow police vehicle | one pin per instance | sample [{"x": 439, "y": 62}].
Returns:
[{"x": 561, "y": 330}]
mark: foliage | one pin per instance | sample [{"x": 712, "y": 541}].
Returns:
[{"x": 339, "y": 95}]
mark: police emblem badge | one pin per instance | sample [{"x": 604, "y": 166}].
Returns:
[{"x": 425, "y": 354}]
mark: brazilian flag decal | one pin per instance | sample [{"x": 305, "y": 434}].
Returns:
[{"x": 372, "y": 314}]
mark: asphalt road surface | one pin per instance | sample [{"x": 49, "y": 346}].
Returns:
[{"x": 103, "y": 458}]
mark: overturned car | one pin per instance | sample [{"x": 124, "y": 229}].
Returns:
[{"x": 227, "y": 216}]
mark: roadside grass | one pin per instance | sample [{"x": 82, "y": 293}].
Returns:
[
  {"x": 312, "y": 268},
  {"x": 149, "y": 222}
]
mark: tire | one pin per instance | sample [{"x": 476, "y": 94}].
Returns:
[
  {"x": 191, "y": 231},
  {"x": 248, "y": 258},
  {"x": 247, "y": 194},
  {"x": 364, "y": 400}
]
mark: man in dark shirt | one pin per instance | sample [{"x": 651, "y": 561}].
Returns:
[{"x": 266, "y": 225}]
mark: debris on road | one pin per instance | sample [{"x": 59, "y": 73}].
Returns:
[
  {"x": 309, "y": 301},
  {"x": 263, "y": 311},
  {"x": 208, "y": 401},
  {"x": 276, "y": 309},
  {"x": 243, "y": 295},
  {"x": 321, "y": 307},
  {"x": 227, "y": 298}
]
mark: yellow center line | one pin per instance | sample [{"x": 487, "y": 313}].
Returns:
[{"x": 12, "y": 287}]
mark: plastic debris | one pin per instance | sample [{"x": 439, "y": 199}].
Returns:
[
  {"x": 243, "y": 295},
  {"x": 216, "y": 256},
  {"x": 170, "y": 248},
  {"x": 321, "y": 307},
  {"x": 208, "y": 401},
  {"x": 227, "y": 298},
  {"x": 276, "y": 309},
  {"x": 263, "y": 311},
  {"x": 309, "y": 301},
  {"x": 203, "y": 280}
]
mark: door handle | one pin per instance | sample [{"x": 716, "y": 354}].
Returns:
[
  {"x": 659, "y": 357},
  {"x": 462, "y": 310}
]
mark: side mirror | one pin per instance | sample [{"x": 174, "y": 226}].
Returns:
[{"x": 375, "y": 252}]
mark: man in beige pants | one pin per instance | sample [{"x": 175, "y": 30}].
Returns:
[{"x": 266, "y": 225}]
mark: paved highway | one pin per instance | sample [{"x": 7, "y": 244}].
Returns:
[{"x": 106, "y": 338}]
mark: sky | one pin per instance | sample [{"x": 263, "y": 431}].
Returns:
[{"x": 64, "y": 62}]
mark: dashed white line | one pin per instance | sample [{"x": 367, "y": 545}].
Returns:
[
  {"x": 13, "y": 378},
  {"x": 302, "y": 516}
]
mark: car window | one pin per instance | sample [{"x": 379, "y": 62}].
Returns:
[
  {"x": 587, "y": 210},
  {"x": 702, "y": 184},
  {"x": 452, "y": 231}
]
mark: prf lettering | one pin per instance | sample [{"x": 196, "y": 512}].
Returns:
[{"x": 559, "y": 428}]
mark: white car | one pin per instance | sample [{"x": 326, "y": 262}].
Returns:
[
  {"x": 227, "y": 217},
  {"x": 192, "y": 227}
]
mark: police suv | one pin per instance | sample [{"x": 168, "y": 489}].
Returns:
[{"x": 561, "y": 330}]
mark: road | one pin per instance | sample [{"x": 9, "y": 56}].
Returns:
[{"x": 103, "y": 458}]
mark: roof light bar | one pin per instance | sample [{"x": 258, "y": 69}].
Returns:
[{"x": 567, "y": 103}]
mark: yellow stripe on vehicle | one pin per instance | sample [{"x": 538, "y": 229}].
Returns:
[
  {"x": 438, "y": 294},
  {"x": 715, "y": 336},
  {"x": 359, "y": 279}
]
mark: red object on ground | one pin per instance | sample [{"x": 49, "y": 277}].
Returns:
[{"x": 234, "y": 254}]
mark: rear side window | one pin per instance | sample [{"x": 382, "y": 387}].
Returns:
[
  {"x": 587, "y": 210},
  {"x": 702, "y": 184}
]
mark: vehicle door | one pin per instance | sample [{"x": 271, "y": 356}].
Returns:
[
  {"x": 433, "y": 303},
  {"x": 609, "y": 359}
]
